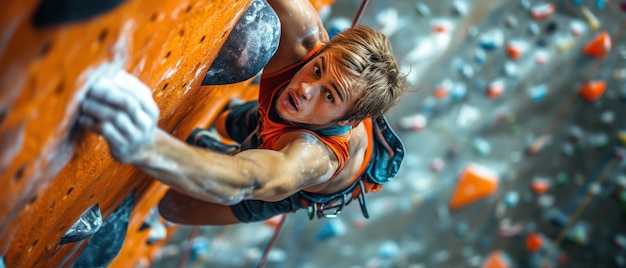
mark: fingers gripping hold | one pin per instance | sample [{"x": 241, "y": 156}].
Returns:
[{"x": 121, "y": 109}]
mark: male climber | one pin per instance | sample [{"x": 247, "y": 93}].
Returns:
[{"x": 308, "y": 142}]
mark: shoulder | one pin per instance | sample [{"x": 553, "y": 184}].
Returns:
[{"x": 301, "y": 30}]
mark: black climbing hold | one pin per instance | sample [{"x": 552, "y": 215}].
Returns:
[
  {"x": 250, "y": 45},
  {"x": 88, "y": 224},
  {"x": 55, "y": 12},
  {"x": 107, "y": 242}
]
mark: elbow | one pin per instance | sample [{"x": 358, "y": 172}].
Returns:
[{"x": 167, "y": 210}]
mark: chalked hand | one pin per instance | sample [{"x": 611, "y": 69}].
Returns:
[{"x": 120, "y": 108}]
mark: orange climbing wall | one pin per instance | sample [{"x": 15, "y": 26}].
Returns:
[{"x": 50, "y": 170}]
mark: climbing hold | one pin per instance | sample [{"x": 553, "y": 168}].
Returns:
[
  {"x": 480, "y": 56},
  {"x": 511, "y": 199},
  {"x": 592, "y": 20},
  {"x": 437, "y": 164},
  {"x": 461, "y": 229},
  {"x": 495, "y": 89},
  {"x": 510, "y": 69},
  {"x": 540, "y": 185},
  {"x": 475, "y": 182},
  {"x": 459, "y": 8},
  {"x": 107, "y": 242},
  {"x": 88, "y": 224},
  {"x": 459, "y": 91},
  {"x": 542, "y": 11},
  {"x": 564, "y": 44},
  {"x": 515, "y": 49},
  {"x": 579, "y": 233},
  {"x": 248, "y": 48},
  {"x": 492, "y": 39},
  {"x": 557, "y": 218},
  {"x": 466, "y": 70},
  {"x": 577, "y": 28},
  {"x": 541, "y": 57},
  {"x": 497, "y": 259},
  {"x": 538, "y": 93},
  {"x": 621, "y": 136},
  {"x": 600, "y": 4},
  {"x": 442, "y": 90},
  {"x": 56, "y": 12},
  {"x": 562, "y": 178},
  {"x": 599, "y": 46},
  {"x": 422, "y": 9},
  {"x": 593, "y": 90},
  {"x": 533, "y": 29},
  {"x": 332, "y": 228},
  {"x": 441, "y": 26},
  {"x": 508, "y": 229},
  {"x": 619, "y": 74},
  {"x": 388, "y": 249},
  {"x": 567, "y": 149},
  {"x": 468, "y": 116},
  {"x": 620, "y": 241},
  {"x": 338, "y": 25},
  {"x": 534, "y": 242},
  {"x": 413, "y": 122},
  {"x": 511, "y": 21},
  {"x": 481, "y": 147}
]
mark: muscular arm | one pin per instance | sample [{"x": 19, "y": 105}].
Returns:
[
  {"x": 120, "y": 108},
  {"x": 251, "y": 174},
  {"x": 301, "y": 30}
]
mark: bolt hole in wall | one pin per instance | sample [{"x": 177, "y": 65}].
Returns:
[
  {"x": 167, "y": 55},
  {"x": 59, "y": 89},
  {"x": 45, "y": 49},
  {"x": 19, "y": 174}
]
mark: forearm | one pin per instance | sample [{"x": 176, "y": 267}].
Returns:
[{"x": 198, "y": 172}]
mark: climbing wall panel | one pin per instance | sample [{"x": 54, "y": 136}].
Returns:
[{"x": 51, "y": 171}]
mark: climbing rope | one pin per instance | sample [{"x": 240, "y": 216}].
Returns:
[
  {"x": 581, "y": 207},
  {"x": 272, "y": 242}
]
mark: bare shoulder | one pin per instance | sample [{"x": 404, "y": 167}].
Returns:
[
  {"x": 301, "y": 30},
  {"x": 316, "y": 161}
]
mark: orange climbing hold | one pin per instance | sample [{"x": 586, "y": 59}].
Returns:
[
  {"x": 495, "y": 89},
  {"x": 496, "y": 259},
  {"x": 515, "y": 50},
  {"x": 475, "y": 182},
  {"x": 534, "y": 242},
  {"x": 540, "y": 186},
  {"x": 441, "y": 92},
  {"x": 599, "y": 46},
  {"x": 593, "y": 90}
]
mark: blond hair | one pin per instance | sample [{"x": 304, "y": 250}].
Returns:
[{"x": 366, "y": 56}]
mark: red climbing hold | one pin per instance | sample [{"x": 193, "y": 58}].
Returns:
[
  {"x": 593, "y": 90},
  {"x": 599, "y": 46},
  {"x": 534, "y": 242},
  {"x": 542, "y": 11}
]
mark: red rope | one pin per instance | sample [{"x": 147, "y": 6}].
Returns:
[
  {"x": 185, "y": 257},
  {"x": 359, "y": 13},
  {"x": 272, "y": 242}
]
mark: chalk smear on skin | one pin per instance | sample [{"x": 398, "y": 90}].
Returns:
[{"x": 310, "y": 141}]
